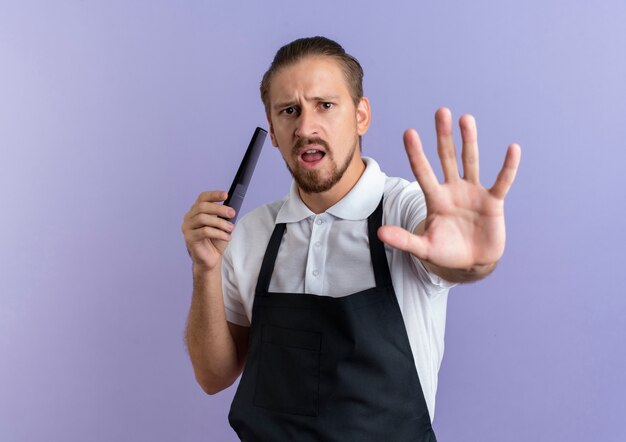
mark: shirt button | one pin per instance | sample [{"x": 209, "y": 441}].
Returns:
[
  {"x": 319, "y": 221},
  {"x": 317, "y": 244},
  {"x": 316, "y": 273}
]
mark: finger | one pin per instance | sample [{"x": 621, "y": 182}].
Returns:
[
  {"x": 213, "y": 209},
  {"x": 206, "y": 233},
  {"x": 213, "y": 196},
  {"x": 419, "y": 163},
  {"x": 202, "y": 219},
  {"x": 507, "y": 173},
  {"x": 445, "y": 144},
  {"x": 402, "y": 239},
  {"x": 469, "y": 154}
]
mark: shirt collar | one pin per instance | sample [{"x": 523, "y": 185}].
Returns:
[{"x": 358, "y": 204}]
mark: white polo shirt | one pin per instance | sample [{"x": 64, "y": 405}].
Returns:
[{"x": 328, "y": 254}]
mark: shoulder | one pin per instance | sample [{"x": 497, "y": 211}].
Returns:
[
  {"x": 404, "y": 202},
  {"x": 252, "y": 230},
  {"x": 262, "y": 214},
  {"x": 249, "y": 241},
  {"x": 399, "y": 193},
  {"x": 257, "y": 224},
  {"x": 397, "y": 188}
]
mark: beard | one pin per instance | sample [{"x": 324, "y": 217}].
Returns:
[{"x": 312, "y": 181}]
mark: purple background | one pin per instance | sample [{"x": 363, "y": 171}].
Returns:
[{"x": 114, "y": 115}]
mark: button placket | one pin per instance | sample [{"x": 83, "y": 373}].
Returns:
[{"x": 316, "y": 259}]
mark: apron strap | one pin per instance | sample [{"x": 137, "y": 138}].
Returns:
[
  {"x": 267, "y": 267},
  {"x": 377, "y": 248}
]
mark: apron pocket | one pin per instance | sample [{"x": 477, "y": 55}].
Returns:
[{"x": 289, "y": 371}]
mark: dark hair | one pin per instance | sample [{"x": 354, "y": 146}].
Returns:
[{"x": 311, "y": 46}]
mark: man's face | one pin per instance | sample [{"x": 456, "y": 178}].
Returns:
[{"x": 315, "y": 124}]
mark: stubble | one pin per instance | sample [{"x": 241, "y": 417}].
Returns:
[{"x": 313, "y": 181}]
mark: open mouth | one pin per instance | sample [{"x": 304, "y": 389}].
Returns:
[{"x": 312, "y": 155}]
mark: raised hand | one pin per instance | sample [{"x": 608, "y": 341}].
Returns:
[
  {"x": 207, "y": 235},
  {"x": 464, "y": 227}
]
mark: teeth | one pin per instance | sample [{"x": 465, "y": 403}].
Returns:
[{"x": 312, "y": 151}]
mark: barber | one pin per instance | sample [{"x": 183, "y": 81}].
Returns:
[{"x": 332, "y": 300}]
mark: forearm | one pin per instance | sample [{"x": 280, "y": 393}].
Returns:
[{"x": 211, "y": 347}]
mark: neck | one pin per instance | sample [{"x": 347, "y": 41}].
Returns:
[{"x": 322, "y": 201}]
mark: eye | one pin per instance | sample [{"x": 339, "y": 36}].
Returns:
[
  {"x": 291, "y": 110},
  {"x": 327, "y": 105}
]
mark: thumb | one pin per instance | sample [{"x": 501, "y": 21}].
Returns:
[{"x": 401, "y": 239}]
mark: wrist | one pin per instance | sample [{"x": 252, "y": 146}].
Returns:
[
  {"x": 204, "y": 271},
  {"x": 474, "y": 273},
  {"x": 482, "y": 269}
]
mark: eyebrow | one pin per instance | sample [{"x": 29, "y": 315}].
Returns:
[{"x": 290, "y": 103}]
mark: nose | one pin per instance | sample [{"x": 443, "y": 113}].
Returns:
[{"x": 307, "y": 125}]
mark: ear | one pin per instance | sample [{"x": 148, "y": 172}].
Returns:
[
  {"x": 272, "y": 135},
  {"x": 363, "y": 116}
]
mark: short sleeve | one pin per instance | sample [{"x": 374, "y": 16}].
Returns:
[
  {"x": 233, "y": 306},
  {"x": 413, "y": 211},
  {"x": 435, "y": 280}
]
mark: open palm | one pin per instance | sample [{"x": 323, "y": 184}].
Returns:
[{"x": 464, "y": 225}]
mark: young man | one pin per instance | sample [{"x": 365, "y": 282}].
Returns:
[{"x": 332, "y": 300}]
